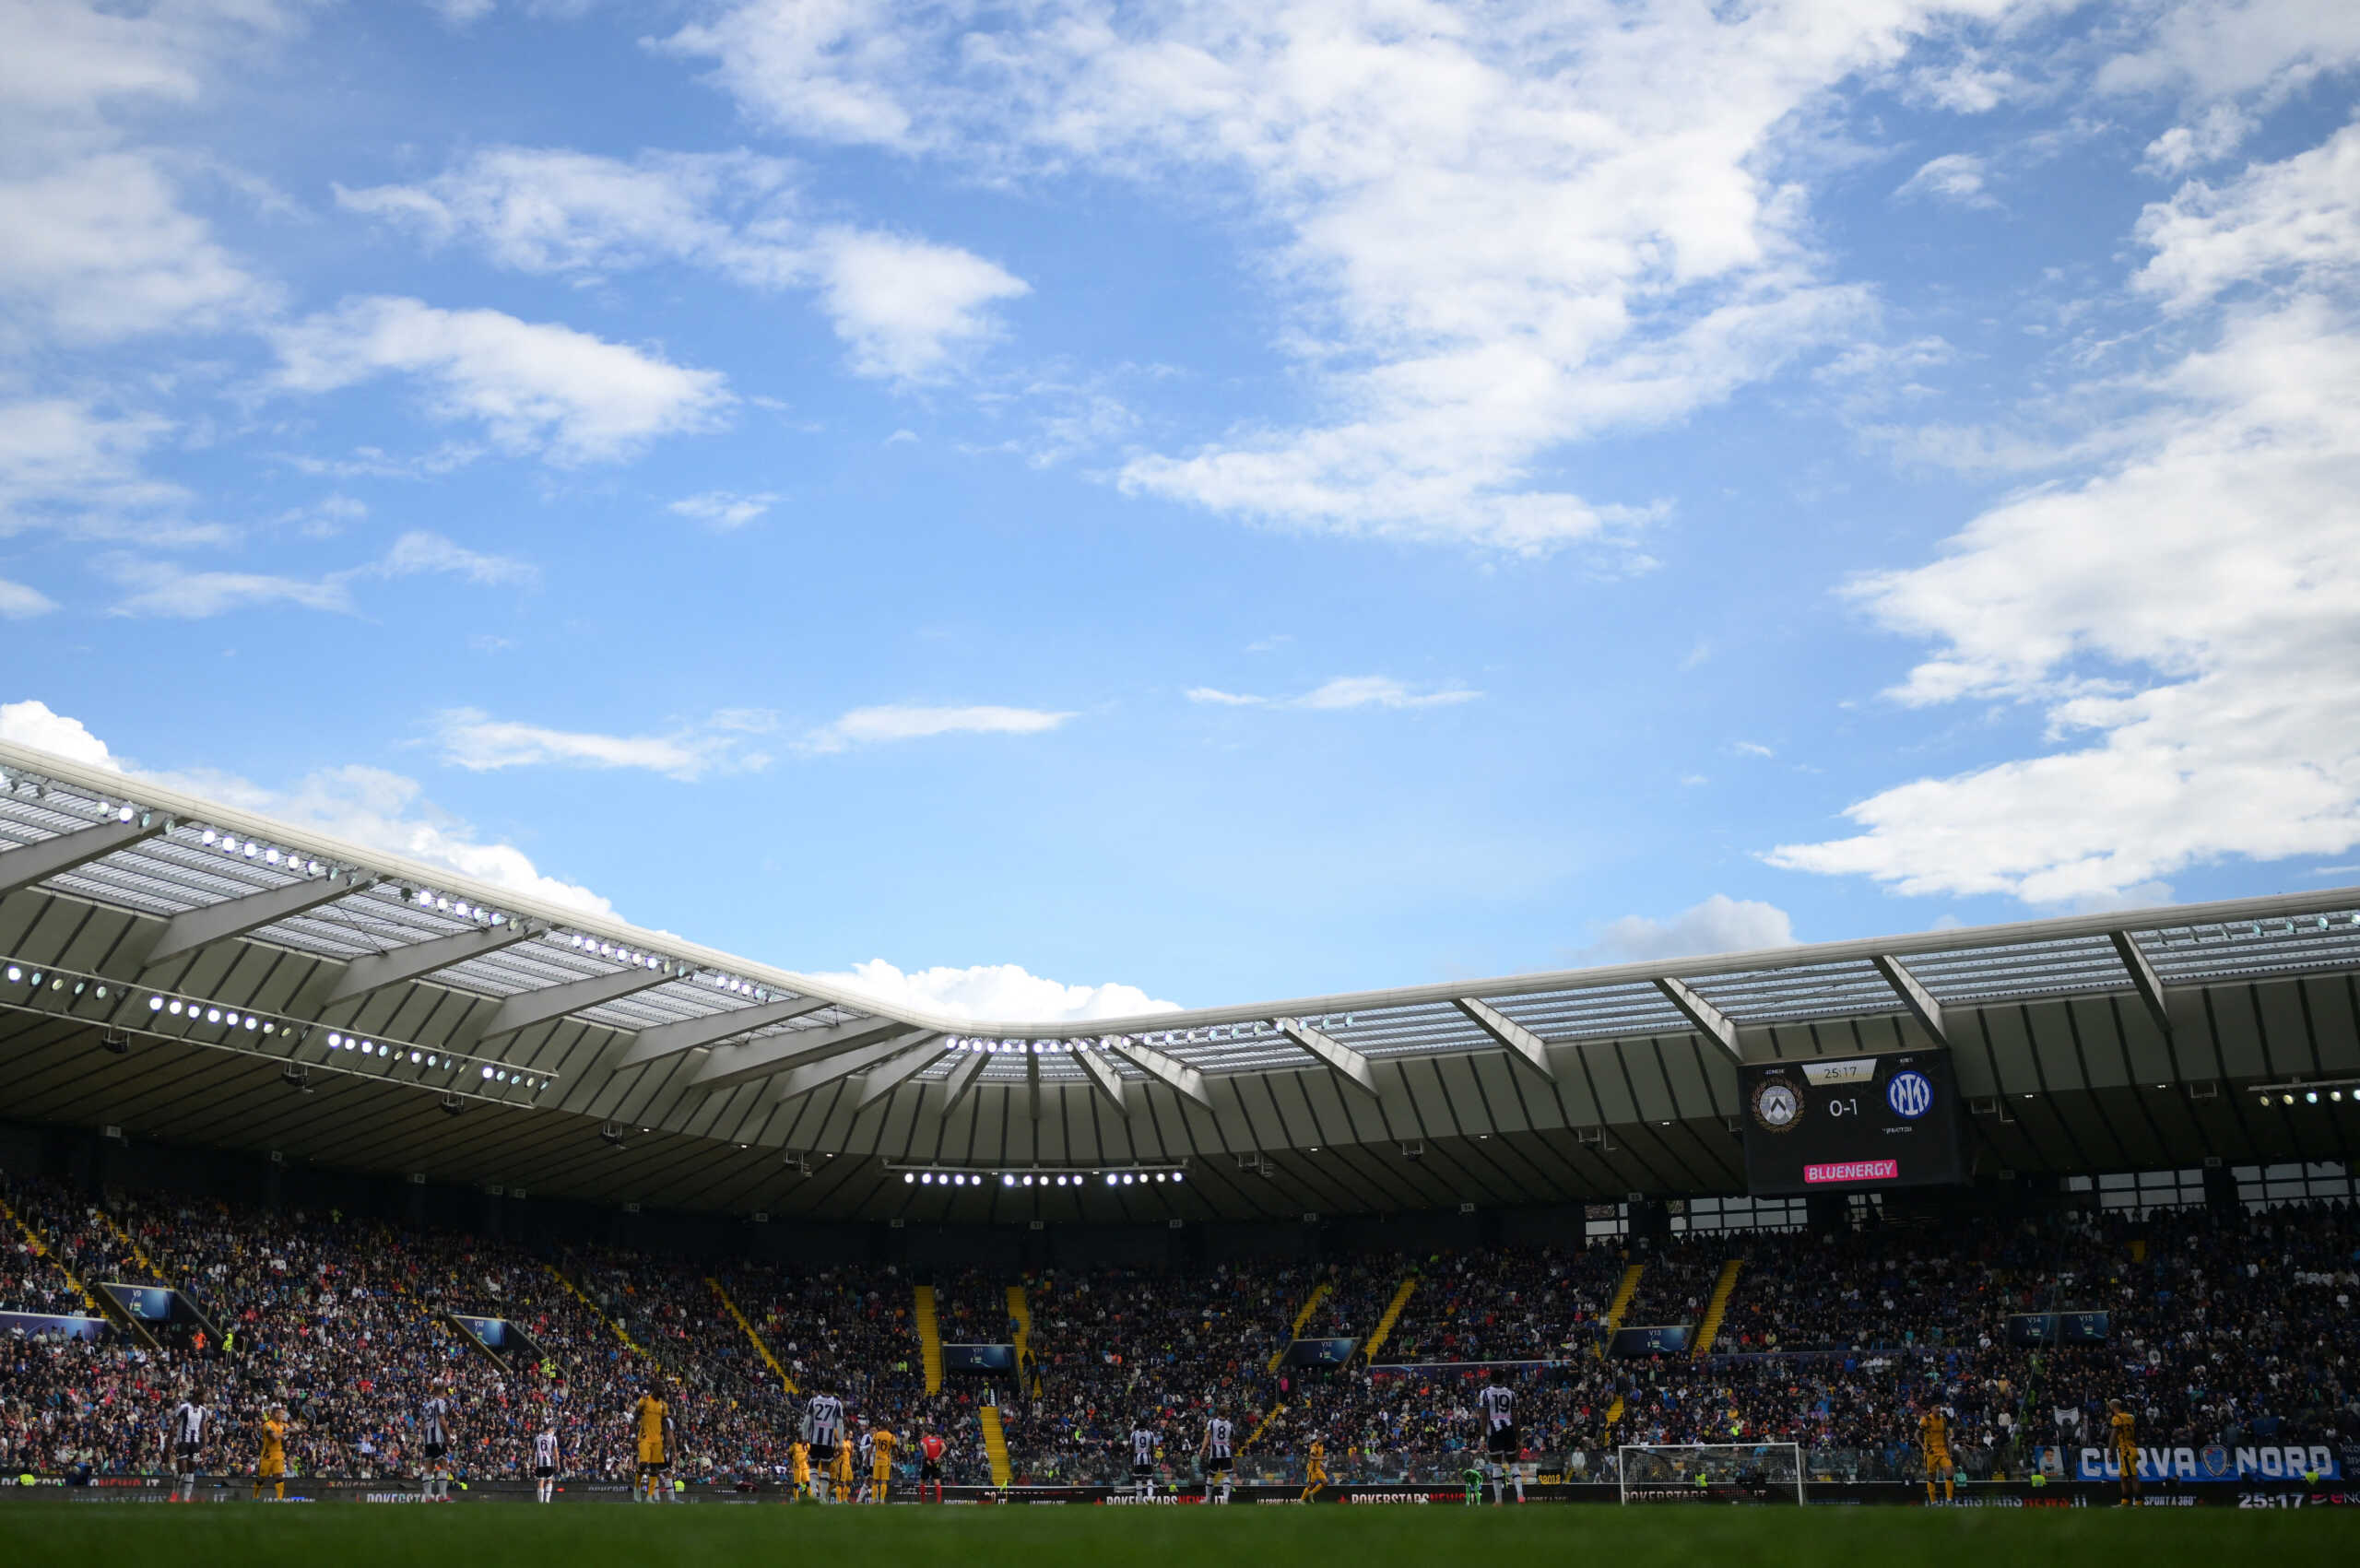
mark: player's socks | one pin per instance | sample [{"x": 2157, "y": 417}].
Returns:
[
  {"x": 1949, "y": 1492},
  {"x": 282, "y": 1491}
]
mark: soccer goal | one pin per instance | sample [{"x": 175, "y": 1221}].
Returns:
[{"x": 1710, "y": 1472}]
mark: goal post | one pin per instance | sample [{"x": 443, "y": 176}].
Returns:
[{"x": 1710, "y": 1472}]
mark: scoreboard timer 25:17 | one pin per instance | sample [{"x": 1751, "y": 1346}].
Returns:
[{"x": 1864, "y": 1122}]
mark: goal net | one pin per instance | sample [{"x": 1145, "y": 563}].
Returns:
[{"x": 1710, "y": 1472}]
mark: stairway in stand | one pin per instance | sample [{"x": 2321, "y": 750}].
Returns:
[
  {"x": 1310, "y": 1305},
  {"x": 1384, "y": 1330},
  {"x": 996, "y": 1445},
  {"x": 762, "y": 1346},
  {"x": 929, "y": 1336},
  {"x": 1621, "y": 1305},
  {"x": 1027, "y": 1375},
  {"x": 1717, "y": 1309}
]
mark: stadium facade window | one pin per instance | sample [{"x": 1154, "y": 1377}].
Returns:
[
  {"x": 2262, "y": 1186},
  {"x": 1709, "y": 1215},
  {"x": 2144, "y": 1191}
]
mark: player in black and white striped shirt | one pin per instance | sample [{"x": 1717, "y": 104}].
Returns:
[
  {"x": 1215, "y": 1455},
  {"x": 185, "y": 1434},
  {"x": 545, "y": 1462},
  {"x": 1143, "y": 1441},
  {"x": 1502, "y": 1444},
  {"x": 434, "y": 1432},
  {"x": 824, "y": 1428}
]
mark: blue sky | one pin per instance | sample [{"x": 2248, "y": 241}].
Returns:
[{"x": 1045, "y": 507}]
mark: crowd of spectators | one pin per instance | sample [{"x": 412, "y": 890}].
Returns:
[{"x": 2226, "y": 1328}]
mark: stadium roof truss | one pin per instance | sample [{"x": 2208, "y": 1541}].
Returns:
[{"x": 197, "y": 964}]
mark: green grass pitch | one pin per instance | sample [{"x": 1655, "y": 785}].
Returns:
[{"x": 523, "y": 1535}]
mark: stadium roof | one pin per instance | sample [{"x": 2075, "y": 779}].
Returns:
[{"x": 194, "y": 960}]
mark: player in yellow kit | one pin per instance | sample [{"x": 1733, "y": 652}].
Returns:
[
  {"x": 880, "y": 1464},
  {"x": 798, "y": 1454},
  {"x": 1934, "y": 1443},
  {"x": 1315, "y": 1469},
  {"x": 840, "y": 1472},
  {"x": 651, "y": 1423},
  {"x": 270, "y": 1464},
  {"x": 2122, "y": 1433}
]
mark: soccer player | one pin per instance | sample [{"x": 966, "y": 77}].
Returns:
[
  {"x": 545, "y": 1462},
  {"x": 2122, "y": 1427},
  {"x": 1934, "y": 1442},
  {"x": 880, "y": 1462},
  {"x": 1143, "y": 1458},
  {"x": 840, "y": 1474},
  {"x": 185, "y": 1434},
  {"x": 1213, "y": 1454},
  {"x": 930, "y": 1449},
  {"x": 652, "y": 1424},
  {"x": 434, "y": 1426},
  {"x": 1502, "y": 1444},
  {"x": 270, "y": 1464},
  {"x": 1314, "y": 1468},
  {"x": 798, "y": 1454},
  {"x": 823, "y": 1429}
]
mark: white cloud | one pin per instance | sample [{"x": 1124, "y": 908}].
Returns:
[
  {"x": 1720, "y": 925},
  {"x": 908, "y": 308},
  {"x": 1500, "y": 230},
  {"x": 472, "y": 739},
  {"x": 724, "y": 510},
  {"x": 536, "y": 386},
  {"x": 2186, "y": 619},
  {"x": 160, "y": 590},
  {"x": 419, "y": 551},
  {"x": 2224, "y": 48},
  {"x": 1954, "y": 177},
  {"x": 1752, "y": 749},
  {"x": 31, "y": 722},
  {"x": 868, "y": 726},
  {"x": 2296, "y": 223},
  {"x": 366, "y": 805},
  {"x": 18, "y": 602},
  {"x": 2219, "y": 131},
  {"x": 66, "y": 465},
  {"x": 101, "y": 249},
  {"x": 995, "y": 993},
  {"x": 1346, "y": 691}
]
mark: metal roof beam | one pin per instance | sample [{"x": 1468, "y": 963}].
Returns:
[
  {"x": 374, "y": 972},
  {"x": 2144, "y": 978},
  {"x": 1921, "y": 1003},
  {"x": 1521, "y": 1042},
  {"x": 882, "y": 1079},
  {"x": 1707, "y": 1018},
  {"x": 28, "y": 863},
  {"x": 818, "y": 1074},
  {"x": 527, "y": 1008},
  {"x": 1100, "y": 1073},
  {"x": 671, "y": 1039},
  {"x": 194, "y": 928},
  {"x": 1348, "y": 1065},
  {"x": 961, "y": 1077},
  {"x": 732, "y": 1065},
  {"x": 1170, "y": 1071}
]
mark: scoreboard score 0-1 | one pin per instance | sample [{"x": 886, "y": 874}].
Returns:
[{"x": 1859, "y": 1124}]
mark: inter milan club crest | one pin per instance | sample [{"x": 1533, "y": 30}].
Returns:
[{"x": 1777, "y": 1107}]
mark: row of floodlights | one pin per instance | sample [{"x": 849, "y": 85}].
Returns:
[
  {"x": 432, "y": 1059},
  {"x": 248, "y": 849},
  {"x": 2311, "y": 1094},
  {"x": 1034, "y": 1178},
  {"x": 444, "y": 903}
]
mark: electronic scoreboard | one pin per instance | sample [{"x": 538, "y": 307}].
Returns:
[{"x": 1851, "y": 1125}]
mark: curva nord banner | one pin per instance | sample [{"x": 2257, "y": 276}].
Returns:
[{"x": 2217, "y": 1462}]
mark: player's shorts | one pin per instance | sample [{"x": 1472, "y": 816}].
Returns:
[
  {"x": 187, "y": 1451},
  {"x": 436, "y": 1450},
  {"x": 821, "y": 1452},
  {"x": 881, "y": 1472},
  {"x": 1314, "y": 1474},
  {"x": 1503, "y": 1442},
  {"x": 930, "y": 1470},
  {"x": 1218, "y": 1467},
  {"x": 1938, "y": 1459},
  {"x": 1140, "y": 1472},
  {"x": 272, "y": 1470}
]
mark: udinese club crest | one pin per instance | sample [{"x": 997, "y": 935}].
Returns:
[{"x": 1777, "y": 1107}]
